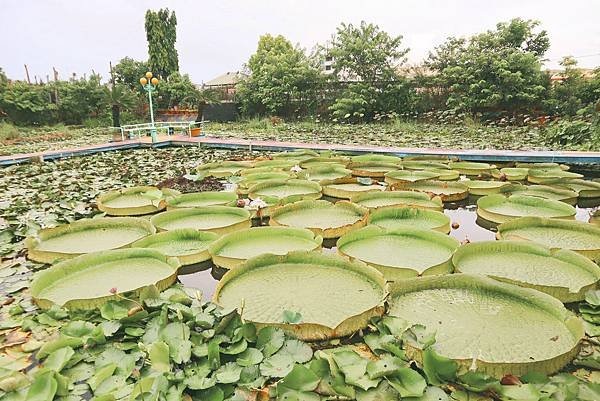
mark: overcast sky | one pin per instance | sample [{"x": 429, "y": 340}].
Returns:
[{"x": 217, "y": 36}]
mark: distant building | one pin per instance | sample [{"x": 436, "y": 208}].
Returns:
[
  {"x": 559, "y": 75},
  {"x": 225, "y": 84}
]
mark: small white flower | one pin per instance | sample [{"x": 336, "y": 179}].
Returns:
[{"x": 296, "y": 169}]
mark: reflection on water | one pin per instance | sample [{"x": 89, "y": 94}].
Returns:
[{"x": 464, "y": 213}]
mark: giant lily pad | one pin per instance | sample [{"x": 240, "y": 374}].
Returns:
[
  {"x": 447, "y": 191},
  {"x": 585, "y": 188},
  {"x": 393, "y": 199},
  {"x": 134, "y": 201},
  {"x": 444, "y": 174},
  {"x": 325, "y": 173},
  {"x": 216, "y": 219},
  {"x": 500, "y": 209},
  {"x": 346, "y": 188},
  {"x": 332, "y": 296},
  {"x": 471, "y": 168},
  {"x": 372, "y": 169},
  {"x": 188, "y": 245},
  {"x": 511, "y": 173},
  {"x": 373, "y": 157},
  {"x": 494, "y": 327},
  {"x": 394, "y": 218},
  {"x": 286, "y": 190},
  {"x": 542, "y": 166},
  {"x": 234, "y": 248},
  {"x": 424, "y": 165},
  {"x": 249, "y": 180},
  {"x": 199, "y": 199},
  {"x": 299, "y": 154},
  {"x": 86, "y": 236},
  {"x": 403, "y": 176},
  {"x": 88, "y": 281},
  {"x": 480, "y": 187},
  {"x": 577, "y": 236},
  {"x": 321, "y": 217},
  {"x": 401, "y": 253},
  {"x": 548, "y": 192},
  {"x": 222, "y": 169},
  {"x": 549, "y": 176},
  {"x": 322, "y": 161},
  {"x": 563, "y": 274}
]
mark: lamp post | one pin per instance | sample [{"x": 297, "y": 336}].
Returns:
[{"x": 149, "y": 85}]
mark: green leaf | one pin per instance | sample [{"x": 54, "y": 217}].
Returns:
[
  {"x": 300, "y": 352},
  {"x": 43, "y": 388},
  {"x": 522, "y": 392},
  {"x": 431, "y": 394},
  {"x": 407, "y": 382},
  {"x": 177, "y": 335},
  {"x": 387, "y": 365},
  {"x": 58, "y": 359},
  {"x": 419, "y": 336},
  {"x": 383, "y": 392},
  {"x": 101, "y": 374},
  {"x": 270, "y": 340},
  {"x": 478, "y": 382},
  {"x": 236, "y": 348},
  {"x": 212, "y": 394},
  {"x": 159, "y": 357},
  {"x": 592, "y": 297},
  {"x": 437, "y": 368},
  {"x": 114, "y": 310},
  {"x": 299, "y": 385},
  {"x": 62, "y": 341},
  {"x": 214, "y": 354},
  {"x": 277, "y": 365},
  {"x": 228, "y": 373},
  {"x": 251, "y": 356},
  {"x": 200, "y": 383},
  {"x": 354, "y": 369},
  {"x": 110, "y": 327},
  {"x": 291, "y": 317}
]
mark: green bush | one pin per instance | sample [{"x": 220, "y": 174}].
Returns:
[
  {"x": 8, "y": 131},
  {"x": 577, "y": 132}
]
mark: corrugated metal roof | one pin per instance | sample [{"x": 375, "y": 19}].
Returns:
[{"x": 229, "y": 78}]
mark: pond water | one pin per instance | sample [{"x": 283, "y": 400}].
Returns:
[{"x": 464, "y": 213}]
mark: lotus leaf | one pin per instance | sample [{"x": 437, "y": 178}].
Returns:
[
  {"x": 188, "y": 245},
  {"x": 494, "y": 327},
  {"x": 577, "y": 236},
  {"x": 134, "y": 201},
  {"x": 285, "y": 190},
  {"x": 372, "y": 169},
  {"x": 471, "y": 168},
  {"x": 401, "y": 253},
  {"x": 216, "y": 219},
  {"x": 548, "y": 176},
  {"x": 394, "y": 218},
  {"x": 564, "y": 274},
  {"x": 222, "y": 169},
  {"x": 235, "y": 248},
  {"x": 403, "y": 176},
  {"x": 323, "y": 218},
  {"x": 85, "y": 282},
  {"x": 447, "y": 191},
  {"x": 392, "y": 199},
  {"x": 511, "y": 173},
  {"x": 501, "y": 209},
  {"x": 480, "y": 188},
  {"x": 335, "y": 297},
  {"x": 86, "y": 236},
  {"x": 325, "y": 173},
  {"x": 346, "y": 188},
  {"x": 200, "y": 199}
]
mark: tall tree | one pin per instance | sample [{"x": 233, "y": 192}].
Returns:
[
  {"x": 494, "y": 71},
  {"x": 279, "y": 76},
  {"x": 129, "y": 71},
  {"x": 161, "y": 33},
  {"x": 369, "y": 58}
]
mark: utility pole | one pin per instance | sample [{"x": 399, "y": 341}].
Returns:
[{"x": 27, "y": 74}]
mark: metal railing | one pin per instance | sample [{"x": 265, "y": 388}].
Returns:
[{"x": 168, "y": 127}]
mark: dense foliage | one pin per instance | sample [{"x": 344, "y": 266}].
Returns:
[
  {"x": 161, "y": 33},
  {"x": 129, "y": 71}
]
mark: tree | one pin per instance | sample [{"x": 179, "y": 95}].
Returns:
[
  {"x": 161, "y": 33},
  {"x": 119, "y": 97},
  {"x": 177, "y": 91},
  {"x": 129, "y": 71},
  {"x": 79, "y": 99},
  {"x": 494, "y": 71},
  {"x": 24, "y": 103},
  {"x": 280, "y": 76},
  {"x": 368, "y": 57}
]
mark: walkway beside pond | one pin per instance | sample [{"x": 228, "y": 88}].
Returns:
[{"x": 571, "y": 157}]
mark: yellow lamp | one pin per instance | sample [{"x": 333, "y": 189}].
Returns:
[
  {"x": 148, "y": 75},
  {"x": 154, "y": 81},
  {"x": 143, "y": 81}
]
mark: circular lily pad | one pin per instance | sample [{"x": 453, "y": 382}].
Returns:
[
  {"x": 511, "y": 173},
  {"x": 216, "y": 219},
  {"x": 500, "y": 209},
  {"x": 296, "y": 154},
  {"x": 471, "y": 168},
  {"x": 585, "y": 188},
  {"x": 86, "y": 236},
  {"x": 346, "y": 188},
  {"x": 424, "y": 165},
  {"x": 395, "y": 218},
  {"x": 323, "y": 218},
  {"x": 325, "y": 173},
  {"x": 447, "y": 191},
  {"x": 550, "y": 176},
  {"x": 400, "y": 253},
  {"x": 250, "y": 180},
  {"x": 481, "y": 323},
  {"x": 188, "y": 245},
  {"x": 577, "y": 236},
  {"x": 538, "y": 166},
  {"x": 372, "y": 169},
  {"x": 480, "y": 187},
  {"x": 548, "y": 192},
  {"x": 222, "y": 169},
  {"x": 393, "y": 199},
  {"x": 445, "y": 175},
  {"x": 134, "y": 201},
  {"x": 374, "y": 157},
  {"x": 563, "y": 274},
  {"x": 286, "y": 190},
  {"x": 322, "y": 161},
  {"x": 235, "y": 248},
  {"x": 332, "y": 296},
  {"x": 199, "y": 199},
  {"x": 404, "y": 176},
  {"x": 85, "y": 282}
]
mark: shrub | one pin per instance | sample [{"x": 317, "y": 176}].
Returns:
[
  {"x": 8, "y": 131},
  {"x": 574, "y": 132}
]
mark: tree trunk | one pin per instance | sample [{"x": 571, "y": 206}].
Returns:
[
  {"x": 201, "y": 106},
  {"x": 116, "y": 115}
]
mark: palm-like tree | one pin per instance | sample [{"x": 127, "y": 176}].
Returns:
[{"x": 120, "y": 97}]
